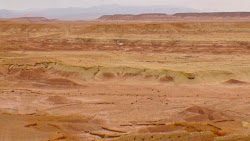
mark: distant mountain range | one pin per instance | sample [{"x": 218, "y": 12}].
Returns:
[{"x": 93, "y": 12}]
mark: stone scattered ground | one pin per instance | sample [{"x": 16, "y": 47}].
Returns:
[{"x": 97, "y": 81}]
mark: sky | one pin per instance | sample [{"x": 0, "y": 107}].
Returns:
[{"x": 217, "y": 5}]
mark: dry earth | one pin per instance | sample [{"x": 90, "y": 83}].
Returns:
[{"x": 97, "y": 81}]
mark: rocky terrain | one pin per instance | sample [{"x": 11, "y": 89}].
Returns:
[{"x": 124, "y": 81}]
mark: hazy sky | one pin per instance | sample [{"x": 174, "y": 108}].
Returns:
[{"x": 219, "y": 5}]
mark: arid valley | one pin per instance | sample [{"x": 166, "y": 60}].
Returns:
[{"x": 125, "y": 79}]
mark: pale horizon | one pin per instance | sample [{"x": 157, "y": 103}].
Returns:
[{"x": 205, "y": 5}]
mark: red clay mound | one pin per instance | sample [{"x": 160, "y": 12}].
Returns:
[
  {"x": 61, "y": 82},
  {"x": 32, "y": 74},
  {"x": 108, "y": 76},
  {"x": 55, "y": 83},
  {"x": 167, "y": 79},
  {"x": 235, "y": 82},
  {"x": 105, "y": 76},
  {"x": 200, "y": 114},
  {"x": 27, "y": 74}
]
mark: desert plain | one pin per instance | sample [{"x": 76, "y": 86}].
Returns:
[{"x": 107, "y": 80}]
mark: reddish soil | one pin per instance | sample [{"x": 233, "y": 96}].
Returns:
[{"x": 97, "y": 80}]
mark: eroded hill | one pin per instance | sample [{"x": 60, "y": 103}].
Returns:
[{"x": 130, "y": 81}]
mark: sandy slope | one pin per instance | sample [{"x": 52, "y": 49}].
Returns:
[{"x": 52, "y": 90}]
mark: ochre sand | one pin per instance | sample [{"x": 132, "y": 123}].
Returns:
[{"x": 97, "y": 81}]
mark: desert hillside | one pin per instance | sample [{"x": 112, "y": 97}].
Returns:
[
  {"x": 94, "y": 81},
  {"x": 199, "y": 37}
]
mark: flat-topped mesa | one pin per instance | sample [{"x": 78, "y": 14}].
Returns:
[
  {"x": 175, "y": 17},
  {"x": 214, "y": 14},
  {"x": 32, "y": 19},
  {"x": 148, "y": 16},
  {"x": 116, "y": 17}
]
